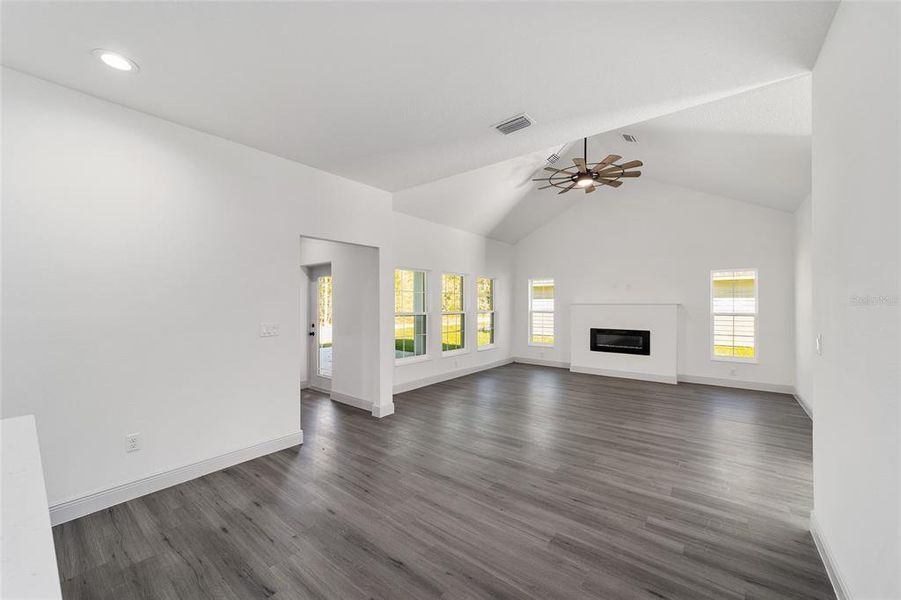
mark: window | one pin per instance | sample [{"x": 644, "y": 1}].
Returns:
[
  {"x": 452, "y": 317},
  {"x": 541, "y": 312},
  {"x": 485, "y": 319},
  {"x": 733, "y": 306},
  {"x": 409, "y": 313}
]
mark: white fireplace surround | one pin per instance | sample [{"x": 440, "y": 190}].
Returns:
[{"x": 660, "y": 318}]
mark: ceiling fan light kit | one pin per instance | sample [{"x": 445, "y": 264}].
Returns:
[{"x": 589, "y": 176}]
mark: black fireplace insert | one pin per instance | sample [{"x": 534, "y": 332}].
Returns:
[{"x": 621, "y": 341}]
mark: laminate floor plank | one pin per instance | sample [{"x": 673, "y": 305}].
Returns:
[{"x": 518, "y": 482}]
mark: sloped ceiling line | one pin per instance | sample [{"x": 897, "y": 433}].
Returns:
[{"x": 753, "y": 147}]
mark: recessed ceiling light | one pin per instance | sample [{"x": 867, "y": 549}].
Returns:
[{"x": 115, "y": 60}]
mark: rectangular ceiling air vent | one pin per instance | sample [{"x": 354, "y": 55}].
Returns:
[
  {"x": 554, "y": 157},
  {"x": 514, "y": 124},
  {"x": 630, "y": 138}
]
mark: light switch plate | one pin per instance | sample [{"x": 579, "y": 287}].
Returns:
[{"x": 268, "y": 329}]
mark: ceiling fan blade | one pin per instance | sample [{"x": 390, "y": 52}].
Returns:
[
  {"x": 607, "y": 161},
  {"x": 571, "y": 186},
  {"x": 630, "y": 174},
  {"x": 610, "y": 169},
  {"x": 611, "y": 182},
  {"x": 553, "y": 170},
  {"x": 542, "y": 179},
  {"x": 622, "y": 167},
  {"x": 580, "y": 163},
  {"x": 551, "y": 185},
  {"x": 590, "y": 189},
  {"x": 631, "y": 164}
]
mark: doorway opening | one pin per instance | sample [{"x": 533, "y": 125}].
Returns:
[{"x": 340, "y": 305}]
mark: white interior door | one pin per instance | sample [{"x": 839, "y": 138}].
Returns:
[{"x": 320, "y": 327}]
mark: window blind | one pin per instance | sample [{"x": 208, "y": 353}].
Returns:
[
  {"x": 541, "y": 312},
  {"x": 734, "y": 314}
]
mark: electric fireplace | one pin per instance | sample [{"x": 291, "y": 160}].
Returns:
[{"x": 621, "y": 341}]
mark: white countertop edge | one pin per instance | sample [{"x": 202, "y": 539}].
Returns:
[{"x": 28, "y": 564}]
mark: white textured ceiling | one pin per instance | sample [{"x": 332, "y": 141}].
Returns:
[
  {"x": 399, "y": 94},
  {"x": 753, "y": 146}
]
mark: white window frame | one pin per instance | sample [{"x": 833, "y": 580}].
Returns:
[
  {"x": 755, "y": 314},
  {"x": 492, "y": 312},
  {"x": 530, "y": 312},
  {"x": 425, "y": 300},
  {"x": 462, "y": 313}
]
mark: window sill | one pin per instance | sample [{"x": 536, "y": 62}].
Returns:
[
  {"x": 487, "y": 347},
  {"x": 534, "y": 345},
  {"x": 410, "y": 360},
  {"x": 749, "y": 361},
  {"x": 450, "y": 353}
]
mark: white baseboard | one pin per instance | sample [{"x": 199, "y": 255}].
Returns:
[
  {"x": 351, "y": 400},
  {"x": 559, "y": 364},
  {"x": 318, "y": 389},
  {"x": 68, "y": 510},
  {"x": 681, "y": 378},
  {"x": 804, "y": 403},
  {"x": 838, "y": 584},
  {"x": 383, "y": 410},
  {"x": 626, "y": 374},
  {"x": 399, "y": 388},
  {"x": 736, "y": 383},
  {"x": 378, "y": 411}
]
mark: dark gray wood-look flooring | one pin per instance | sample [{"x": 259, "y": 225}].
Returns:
[{"x": 519, "y": 482}]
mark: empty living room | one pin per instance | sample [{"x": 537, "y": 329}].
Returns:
[{"x": 538, "y": 300}]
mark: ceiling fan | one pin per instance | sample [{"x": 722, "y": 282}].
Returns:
[{"x": 605, "y": 172}]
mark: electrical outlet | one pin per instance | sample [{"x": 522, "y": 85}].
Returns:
[
  {"x": 132, "y": 442},
  {"x": 820, "y": 344},
  {"x": 268, "y": 329}
]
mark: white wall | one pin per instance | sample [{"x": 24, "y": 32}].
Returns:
[
  {"x": 805, "y": 344},
  {"x": 139, "y": 258},
  {"x": 652, "y": 242},
  {"x": 856, "y": 452},
  {"x": 438, "y": 249},
  {"x": 355, "y": 333}
]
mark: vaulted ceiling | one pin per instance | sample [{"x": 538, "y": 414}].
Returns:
[
  {"x": 399, "y": 94},
  {"x": 754, "y": 147}
]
